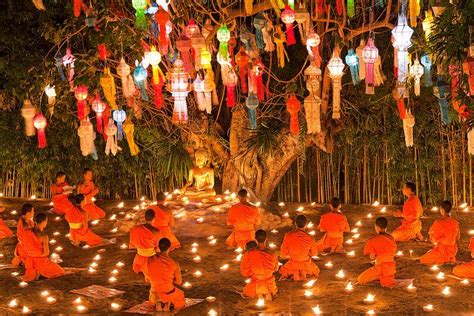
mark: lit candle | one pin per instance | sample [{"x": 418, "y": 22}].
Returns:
[
  {"x": 356, "y": 236},
  {"x": 59, "y": 249},
  {"x": 376, "y": 203},
  {"x": 187, "y": 285},
  {"x": 355, "y": 230},
  {"x": 281, "y": 204},
  {"x": 123, "y": 246},
  {"x": 349, "y": 287},
  {"x": 411, "y": 252},
  {"x": 300, "y": 209},
  {"x": 370, "y": 299},
  {"x": 77, "y": 301},
  {"x": 349, "y": 241},
  {"x": 56, "y": 233},
  {"x": 97, "y": 257},
  {"x": 33, "y": 197},
  {"x": 317, "y": 310},
  {"x": 411, "y": 288},
  {"x": 446, "y": 291},
  {"x": 224, "y": 267},
  {"x": 370, "y": 312},
  {"x": 260, "y": 303},
  {"x": 440, "y": 277},
  {"x": 340, "y": 274},
  {"x": 213, "y": 242},
  {"x": 274, "y": 231},
  {"x": 358, "y": 224},
  {"x": 114, "y": 230},
  {"x": 113, "y": 217},
  {"x": 312, "y": 233},
  {"x": 465, "y": 210},
  {"x": 44, "y": 293},
  {"x": 309, "y": 284},
  {"x": 81, "y": 308},
  {"x": 328, "y": 265},
  {"x": 247, "y": 281},
  {"x": 211, "y": 237},
  {"x": 94, "y": 264},
  {"x": 463, "y": 205},
  {"x": 14, "y": 212},
  {"x": 50, "y": 300},
  {"x": 23, "y": 284},
  {"x": 200, "y": 220},
  {"x": 114, "y": 272},
  {"x": 310, "y": 225},
  {"x": 15, "y": 274},
  {"x": 369, "y": 215},
  {"x": 238, "y": 258},
  {"x": 115, "y": 306},
  {"x": 120, "y": 205},
  {"x": 25, "y": 310},
  {"x": 272, "y": 246},
  {"x": 258, "y": 204},
  {"x": 194, "y": 250},
  {"x": 212, "y": 313},
  {"x": 13, "y": 303},
  {"x": 120, "y": 264},
  {"x": 428, "y": 308},
  {"x": 238, "y": 250},
  {"x": 434, "y": 267},
  {"x": 91, "y": 270},
  {"x": 195, "y": 244},
  {"x": 465, "y": 282},
  {"x": 211, "y": 299},
  {"x": 95, "y": 222},
  {"x": 308, "y": 293},
  {"x": 399, "y": 253},
  {"x": 286, "y": 215},
  {"x": 57, "y": 218},
  {"x": 197, "y": 259},
  {"x": 383, "y": 210},
  {"x": 351, "y": 253},
  {"x": 313, "y": 204},
  {"x": 471, "y": 232},
  {"x": 197, "y": 274},
  {"x": 434, "y": 209},
  {"x": 52, "y": 241},
  {"x": 112, "y": 279}
]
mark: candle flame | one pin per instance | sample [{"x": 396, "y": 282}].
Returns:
[
  {"x": 13, "y": 303},
  {"x": 446, "y": 291},
  {"x": 351, "y": 253},
  {"x": 428, "y": 308},
  {"x": 340, "y": 274},
  {"x": 308, "y": 293},
  {"x": 260, "y": 302},
  {"x": 317, "y": 310},
  {"x": 310, "y": 283},
  {"x": 25, "y": 310},
  {"x": 349, "y": 287},
  {"x": 369, "y": 298},
  {"x": 376, "y": 203}
]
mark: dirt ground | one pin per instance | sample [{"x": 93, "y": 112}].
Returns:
[{"x": 225, "y": 285}]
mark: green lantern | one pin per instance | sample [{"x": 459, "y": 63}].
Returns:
[
  {"x": 140, "y": 19},
  {"x": 223, "y": 36}
]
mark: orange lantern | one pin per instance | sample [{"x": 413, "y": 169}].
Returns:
[
  {"x": 161, "y": 18},
  {"x": 242, "y": 60},
  {"x": 293, "y": 106}
]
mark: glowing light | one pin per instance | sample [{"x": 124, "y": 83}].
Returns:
[
  {"x": 471, "y": 232},
  {"x": 195, "y": 244},
  {"x": 370, "y": 312},
  {"x": 94, "y": 264},
  {"x": 411, "y": 288},
  {"x": 77, "y": 301},
  {"x": 383, "y": 210},
  {"x": 51, "y": 300},
  {"x": 115, "y": 306},
  {"x": 328, "y": 265},
  {"x": 33, "y": 197},
  {"x": 114, "y": 230},
  {"x": 123, "y": 246},
  {"x": 23, "y": 284},
  {"x": 260, "y": 303},
  {"x": 316, "y": 310},
  {"x": 52, "y": 241},
  {"x": 272, "y": 246},
  {"x": 238, "y": 258},
  {"x": 465, "y": 210},
  {"x": 351, "y": 253},
  {"x": 258, "y": 204},
  {"x": 59, "y": 249},
  {"x": 399, "y": 253},
  {"x": 312, "y": 233},
  {"x": 440, "y": 277},
  {"x": 112, "y": 279},
  {"x": 81, "y": 308},
  {"x": 97, "y": 257},
  {"x": 463, "y": 205},
  {"x": 355, "y": 230},
  {"x": 13, "y": 303},
  {"x": 308, "y": 293},
  {"x": 310, "y": 225},
  {"x": 15, "y": 274},
  {"x": 14, "y": 212},
  {"x": 286, "y": 215},
  {"x": 434, "y": 209},
  {"x": 120, "y": 205},
  {"x": 187, "y": 285},
  {"x": 428, "y": 308},
  {"x": 224, "y": 267},
  {"x": 369, "y": 299},
  {"x": 25, "y": 310},
  {"x": 91, "y": 270},
  {"x": 300, "y": 209},
  {"x": 340, "y": 274},
  {"x": 369, "y": 215},
  {"x": 211, "y": 299},
  {"x": 197, "y": 274},
  {"x": 197, "y": 259},
  {"x": 114, "y": 272},
  {"x": 95, "y": 222},
  {"x": 281, "y": 204},
  {"x": 349, "y": 287},
  {"x": 446, "y": 291},
  {"x": 56, "y": 233},
  {"x": 358, "y": 224},
  {"x": 200, "y": 220},
  {"x": 356, "y": 236},
  {"x": 113, "y": 217},
  {"x": 434, "y": 267},
  {"x": 213, "y": 242},
  {"x": 349, "y": 241},
  {"x": 309, "y": 284},
  {"x": 376, "y": 203},
  {"x": 211, "y": 237},
  {"x": 194, "y": 250},
  {"x": 465, "y": 282},
  {"x": 44, "y": 293},
  {"x": 212, "y": 313}
]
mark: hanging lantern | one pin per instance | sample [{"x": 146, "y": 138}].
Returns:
[
  {"x": 110, "y": 132},
  {"x": 230, "y": 88},
  {"x": 50, "y": 92},
  {"x": 28, "y": 112},
  {"x": 416, "y": 71},
  {"x": 40, "y": 124},
  {"x": 267, "y": 37},
  {"x": 87, "y": 136},
  {"x": 198, "y": 43},
  {"x": 163, "y": 4},
  {"x": 399, "y": 98},
  {"x": 223, "y": 36},
  {"x": 353, "y": 62},
  {"x": 359, "y": 51},
  {"x": 312, "y": 103},
  {"x": 259, "y": 22},
  {"x": 206, "y": 58},
  {"x": 208, "y": 86},
  {"x": 129, "y": 130},
  {"x": 58, "y": 62},
  {"x": 248, "y": 5},
  {"x": 312, "y": 44},
  {"x": 408, "y": 124},
  {"x": 279, "y": 38},
  {"x": 470, "y": 141},
  {"x": 139, "y": 75},
  {"x": 242, "y": 61},
  {"x": 468, "y": 69},
  {"x": 414, "y": 9},
  {"x": 370, "y": 54},
  {"x": 246, "y": 38},
  {"x": 426, "y": 62},
  {"x": 161, "y": 18},
  {"x": 293, "y": 107},
  {"x": 98, "y": 107},
  {"x": 336, "y": 68},
  {"x": 288, "y": 17},
  {"x": 154, "y": 58},
  {"x": 252, "y": 104},
  {"x": 192, "y": 28},
  {"x": 350, "y": 8},
  {"x": 198, "y": 87},
  {"x": 427, "y": 24},
  {"x": 108, "y": 86},
  {"x": 440, "y": 90},
  {"x": 179, "y": 86},
  {"x": 183, "y": 44},
  {"x": 257, "y": 82},
  {"x": 303, "y": 20},
  {"x": 128, "y": 87},
  {"x": 68, "y": 61},
  {"x": 140, "y": 19},
  {"x": 402, "y": 41},
  {"x": 119, "y": 117},
  {"x": 80, "y": 93}
]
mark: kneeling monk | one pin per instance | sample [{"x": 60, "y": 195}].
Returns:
[
  {"x": 163, "y": 273},
  {"x": 411, "y": 213},
  {"x": 466, "y": 270},
  {"x": 244, "y": 217},
  {"x": 164, "y": 220},
  {"x": 36, "y": 243},
  {"x": 61, "y": 190},
  {"x": 444, "y": 233},
  {"x": 5, "y": 232},
  {"x": 299, "y": 246},
  {"x": 89, "y": 190},
  {"x": 79, "y": 230},
  {"x": 259, "y": 264},
  {"x": 334, "y": 224},
  {"x": 26, "y": 222},
  {"x": 382, "y": 249},
  {"x": 144, "y": 238}
]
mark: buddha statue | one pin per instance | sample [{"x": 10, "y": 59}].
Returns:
[{"x": 200, "y": 184}]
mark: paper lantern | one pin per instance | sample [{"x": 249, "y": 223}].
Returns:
[
  {"x": 129, "y": 130},
  {"x": 230, "y": 89},
  {"x": 288, "y": 17},
  {"x": 128, "y": 87},
  {"x": 369, "y": 54},
  {"x": 399, "y": 98},
  {"x": 68, "y": 61},
  {"x": 119, "y": 117},
  {"x": 161, "y": 18},
  {"x": 414, "y": 10},
  {"x": 426, "y": 62},
  {"x": 139, "y": 75},
  {"x": 108, "y": 87},
  {"x": 293, "y": 107},
  {"x": 312, "y": 106},
  {"x": 350, "y": 8},
  {"x": 242, "y": 61},
  {"x": 198, "y": 43},
  {"x": 99, "y": 107},
  {"x": 427, "y": 24},
  {"x": 279, "y": 38},
  {"x": 192, "y": 28},
  {"x": 259, "y": 22},
  {"x": 183, "y": 44},
  {"x": 154, "y": 58},
  {"x": 163, "y": 4},
  {"x": 206, "y": 58},
  {"x": 28, "y": 112},
  {"x": 336, "y": 68},
  {"x": 179, "y": 86},
  {"x": 353, "y": 62},
  {"x": 408, "y": 124},
  {"x": 110, "y": 132},
  {"x": 40, "y": 124},
  {"x": 87, "y": 136},
  {"x": 402, "y": 41},
  {"x": 303, "y": 20},
  {"x": 252, "y": 104},
  {"x": 359, "y": 51},
  {"x": 140, "y": 19},
  {"x": 50, "y": 92},
  {"x": 257, "y": 79},
  {"x": 223, "y": 36},
  {"x": 468, "y": 69},
  {"x": 416, "y": 71},
  {"x": 267, "y": 37},
  {"x": 470, "y": 141},
  {"x": 80, "y": 93},
  {"x": 312, "y": 44},
  {"x": 440, "y": 90},
  {"x": 208, "y": 86}
]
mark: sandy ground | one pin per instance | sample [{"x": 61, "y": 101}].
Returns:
[{"x": 225, "y": 285}]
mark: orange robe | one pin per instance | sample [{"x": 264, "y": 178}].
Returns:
[
  {"x": 37, "y": 263},
  {"x": 20, "y": 251},
  {"x": 164, "y": 222},
  {"x": 259, "y": 265},
  {"x": 466, "y": 270},
  {"x": 299, "y": 247},
  {"x": 383, "y": 247},
  {"x": 145, "y": 240},
  {"x": 89, "y": 192},
  {"x": 334, "y": 224},
  {"x": 411, "y": 224},
  {"x": 61, "y": 202},
  {"x": 244, "y": 218},
  {"x": 5, "y": 232},
  {"x": 444, "y": 233},
  {"x": 78, "y": 232},
  {"x": 163, "y": 273}
]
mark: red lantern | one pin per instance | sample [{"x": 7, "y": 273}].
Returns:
[
  {"x": 80, "y": 93},
  {"x": 293, "y": 106},
  {"x": 40, "y": 124},
  {"x": 288, "y": 17},
  {"x": 184, "y": 45},
  {"x": 99, "y": 107},
  {"x": 257, "y": 80},
  {"x": 161, "y": 18},
  {"x": 242, "y": 60},
  {"x": 192, "y": 28}
]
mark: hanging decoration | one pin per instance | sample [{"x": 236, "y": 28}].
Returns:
[
  {"x": 359, "y": 51},
  {"x": 293, "y": 107},
  {"x": 80, "y": 93},
  {"x": 162, "y": 17},
  {"x": 353, "y": 62},
  {"x": 119, "y": 117},
  {"x": 198, "y": 87},
  {"x": 58, "y": 62},
  {"x": 229, "y": 79},
  {"x": 129, "y": 130},
  {"x": 440, "y": 90},
  {"x": 408, "y": 124},
  {"x": 288, "y": 18},
  {"x": 336, "y": 68},
  {"x": 267, "y": 37},
  {"x": 370, "y": 54},
  {"x": 402, "y": 41},
  {"x": 179, "y": 86},
  {"x": 468, "y": 69},
  {"x": 198, "y": 43},
  {"x": 98, "y": 107},
  {"x": 223, "y": 36},
  {"x": 68, "y": 61},
  {"x": 339, "y": 7},
  {"x": 163, "y": 4},
  {"x": 40, "y": 124},
  {"x": 455, "y": 74},
  {"x": 110, "y": 132},
  {"x": 140, "y": 18},
  {"x": 470, "y": 141},
  {"x": 79, "y": 5},
  {"x": 108, "y": 86},
  {"x": 50, "y": 92},
  {"x": 303, "y": 19},
  {"x": 28, "y": 112},
  {"x": 257, "y": 79},
  {"x": 139, "y": 75},
  {"x": 252, "y": 104},
  {"x": 427, "y": 24},
  {"x": 248, "y": 5},
  {"x": 416, "y": 71},
  {"x": 414, "y": 9},
  {"x": 154, "y": 58},
  {"x": 242, "y": 60},
  {"x": 378, "y": 74},
  {"x": 279, "y": 38},
  {"x": 128, "y": 87},
  {"x": 259, "y": 22},
  {"x": 399, "y": 98},
  {"x": 192, "y": 28},
  {"x": 86, "y": 137},
  {"x": 312, "y": 103},
  {"x": 426, "y": 62},
  {"x": 312, "y": 46},
  {"x": 183, "y": 44},
  {"x": 350, "y": 8}
]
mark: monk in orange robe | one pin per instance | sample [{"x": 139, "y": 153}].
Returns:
[
  {"x": 144, "y": 238},
  {"x": 61, "y": 190},
  {"x": 36, "y": 243},
  {"x": 299, "y": 246},
  {"x": 334, "y": 224},
  {"x": 164, "y": 220},
  {"x": 89, "y": 190},
  {"x": 260, "y": 264},
  {"x": 411, "y": 213},
  {"x": 444, "y": 233},
  {"x": 79, "y": 230},
  {"x": 163, "y": 273},
  {"x": 466, "y": 270},
  {"x": 382, "y": 249},
  {"x": 244, "y": 217},
  {"x": 5, "y": 232},
  {"x": 26, "y": 222}
]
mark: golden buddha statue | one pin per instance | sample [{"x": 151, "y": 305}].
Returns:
[{"x": 200, "y": 183}]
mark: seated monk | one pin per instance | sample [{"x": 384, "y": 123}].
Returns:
[
  {"x": 259, "y": 264},
  {"x": 26, "y": 222},
  {"x": 382, "y": 249},
  {"x": 144, "y": 238},
  {"x": 89, "y": 190},
  {"x": 61, "y": 190},
  {"x": 444, "y": 234},
  {"x": 36, "y": 243},
  {"x": 200, "y": 182},
  {"x": 244, "y": 217},
  {"x": 411, "y": 213},
  {"x": 163, "y": 273},
  {"x": 299, "y": 246},
  {"x": 466, "y": 270},
  {"x": 164, "y": 220},
  {"x": 79, "y": 230},
  {"x": 334, "y": 224},
  {"x": 5, "y": 232}
]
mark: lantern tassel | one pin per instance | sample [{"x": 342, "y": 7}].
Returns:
[
  {"x": 120, "y": 130},
  {"x": 354, "y": 74},
  {"x": 253, "y": 118},
  {"x": 41, "y": 138},
  {"x": 230, "y": 95},
  {"x": 294, "y": 124},
  {"x": 369, "y": 78},
  {"x": 141, "y": 86},
  {"x": 129, "y": 130},
  {"x": 223, "y": 50},
  {"x": 108, "y": 86},
  {"x": 243, "y": 79},
  {"x": 336, "y": 98},
  {"x": 290, "y": 35},
  {"x": 339, "y": 7},
  {"x": 426, "y": 62},
  {"x": 81, "y": 105},
  {"x": 99, "y": 120}
]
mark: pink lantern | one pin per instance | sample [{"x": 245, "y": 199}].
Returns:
[
  {"x": 40, "y": 124},
  {"x": 369, "y": 54},
  {"x": 288, "y": 17},
  {"x": 192, "y": 28},
  {"x": 99, "y": 107}
]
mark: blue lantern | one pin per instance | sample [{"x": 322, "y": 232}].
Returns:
[
  {"x": 353, "y": 62},
  {"x": 426, "y": 62},
  {"x": 252, "y": 104},
  {"x": 440, "y": 90},
  {"x": 139, "y": 76},
  {"x": 119, "y": 117}
]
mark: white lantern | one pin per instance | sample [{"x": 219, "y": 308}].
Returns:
[
  {"x": 416, "y": 71},
  {"x": 50, "y": 92},
  {"x": 28, "y": 111},
  {"x": 402, "y": 34},
  {"x": 336, "y": 68},
  {"x": 179, "y": 87}
]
